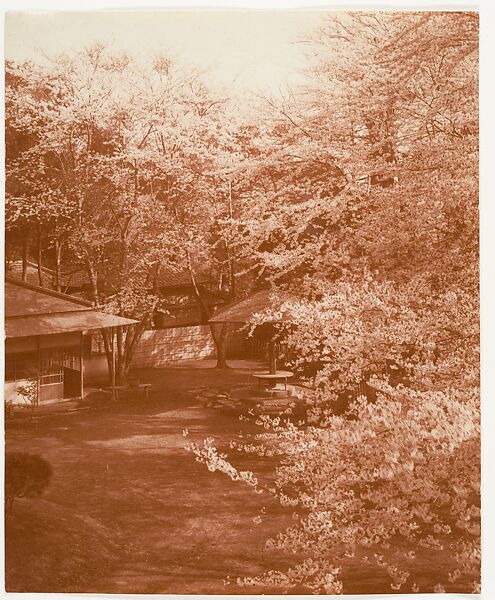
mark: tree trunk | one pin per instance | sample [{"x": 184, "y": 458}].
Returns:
[
  {"x": 230, "y": 255},
  {"x": 125, "y": 345},
  {"x": 232, "y": 279},
  {"x": 94, "y": 282},
  {"x": 120, "y": 346},
  {"x": 40, "y": 257},
  {"x": 120, "y": 377},
  {"x": 272, "y": 357},
  {"x": 25, "y": 253},
  {"x": 219, "y": 337},
  {"x": 133, "y": 334},
  {"x": 107, "y": 342},
  {"x": 219, "y": 332},
  {"x": 58, "y": 261}
]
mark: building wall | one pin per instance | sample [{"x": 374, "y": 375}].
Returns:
[
  {"x": 178, "y": 317},
  {"x": 95, "y": 367},
  {"x": 32, "y": 343},
  {"x": 51, "y": 360},
  {"x": 160, "y": 347},
  {"x": 47, "y": 393}
]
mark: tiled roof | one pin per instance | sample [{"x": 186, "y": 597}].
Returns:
[
  {"x": 189, "y": 299},
  {"x": 244, "y": 310},
  {"x": 168, "y": 277},
  {"x": 14, "y": 269},
  {"x": 75, "y": 277}
]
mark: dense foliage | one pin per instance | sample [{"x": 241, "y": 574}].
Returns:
[
  {"x": 368, "y": 184},
  {"x": 359, "y": 194},
  {"x": 116, "y": 168}
]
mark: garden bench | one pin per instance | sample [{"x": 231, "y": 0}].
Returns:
[{"x": 132, "y": 387}]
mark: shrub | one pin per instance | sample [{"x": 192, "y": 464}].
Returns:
[{"x": 26, "y": 476}]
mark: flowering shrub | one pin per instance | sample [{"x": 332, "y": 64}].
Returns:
[
  {"x": 386, "y": 483},
  {"x": 368, "y": 201}
]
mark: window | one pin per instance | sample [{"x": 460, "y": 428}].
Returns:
[
  {"x": 70, "y": 358},
  {"x": 97, "y": 345},
  {"x": 20, "y": 366},
  {"x": 51, "y": 370}
]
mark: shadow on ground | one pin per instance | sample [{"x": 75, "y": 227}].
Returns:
[{"x": 128, "y": 509}]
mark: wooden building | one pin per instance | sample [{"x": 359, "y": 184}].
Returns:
[
  {"x": 72, "y": 280},
  {"x": 46, "y": 340},
  {"x": 179, "y": 306}
]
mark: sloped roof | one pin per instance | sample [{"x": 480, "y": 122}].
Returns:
[
  {"x": 32, "y": 310},
  {"x": 14, "y": 269},
  {"x": 72, "y": 277},
  {"x": 178, "y": 298},
  {"x": 23, "y": 299},
  {"x": 244, "y": 311},
  {"x": 77, "y": 276},
  {"x": 168, "y": 277},
  {"x": 61, "y": 323}
]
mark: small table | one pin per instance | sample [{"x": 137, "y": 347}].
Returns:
[{"x": 271, "y": 379}]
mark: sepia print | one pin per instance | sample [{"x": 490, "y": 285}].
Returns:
[{"x": 242, "y": 302}]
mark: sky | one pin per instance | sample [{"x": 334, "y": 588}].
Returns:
[{"x": 243, "y": 50}]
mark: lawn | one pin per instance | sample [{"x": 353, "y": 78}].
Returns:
[{"x": 128, "y": 509}]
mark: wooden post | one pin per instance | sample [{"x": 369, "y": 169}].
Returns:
[
  {"x": 81, "y": 364},
  {"x": 113, "y": 362},
  {"x": 272, "y": 357}
]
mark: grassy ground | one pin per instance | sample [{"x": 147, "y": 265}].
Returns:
[{"x": 128, "y": 509}]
